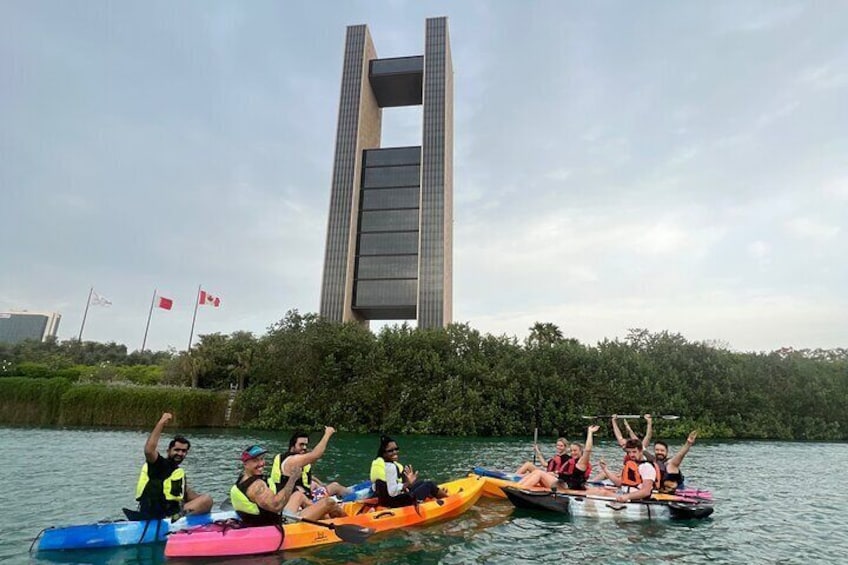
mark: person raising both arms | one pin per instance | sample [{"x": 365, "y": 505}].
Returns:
[
  {"x": 671, "y": 478},
  {"x": 251, "y": 497},
  {"x": 162, "y": 490},
  {"x": 638, "y": 478},
  {"x": 395, "y": 484},
  {"x": 572, "y": 474},
  {"x": 299, "y": 458},
  {"x": 621, "y": 439},
  {"x": 551, "y": 465}
]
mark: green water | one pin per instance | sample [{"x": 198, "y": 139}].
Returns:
[{"x": 776, "y": 502}]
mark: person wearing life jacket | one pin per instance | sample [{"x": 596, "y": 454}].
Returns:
[
  {"x": 638, "y": 478},
  {"x": 671, "y": 478},
  {"x": 298, "y": 457},
  {"x": 619, "y": 437},
  {"x": 571, "y": 474},
  {"x": 395, "y": 484},
  {"x": 251, "y": 497},
  {"x": 307, "y": 482},
  {"x": 162, "y": 490},
  {"x": 552, "y": 464}
]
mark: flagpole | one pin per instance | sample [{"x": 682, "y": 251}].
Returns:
[
  {"x": 193, "y": 318},
  {"x": 149, "y": 314},
  {"x": 85, "y": 314}
]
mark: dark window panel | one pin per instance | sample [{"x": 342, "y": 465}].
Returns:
[
  {"x": 388, "y": 243},
  {"x": 397, "y": 65},
  {"x": 386, "y": 293},
  {"x": 377, "y": 177},
  {"x": 386, "y": 198},
  {"x": 393, "y": 156},
  {"x": 388, "y": 220},
  {"x": 387, "y": 267}
]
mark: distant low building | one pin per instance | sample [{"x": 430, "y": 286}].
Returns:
[{"x": 19, "y": 326}]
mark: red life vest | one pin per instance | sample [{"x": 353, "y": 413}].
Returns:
[
  {"x": 556, "y": 463},
  {"x": 631, "y": 477}
]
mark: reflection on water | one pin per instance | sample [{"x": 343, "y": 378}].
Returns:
[{"x": 765, "y": 513}]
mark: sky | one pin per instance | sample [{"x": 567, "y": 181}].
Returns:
[{"x": 677, "y": 166}]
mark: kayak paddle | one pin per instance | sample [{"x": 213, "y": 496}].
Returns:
[
  {"x": 346, "y": 532},
  {"x": 631, "y": 416}
]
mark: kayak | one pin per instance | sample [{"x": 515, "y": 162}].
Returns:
[
  {"x": 121, "y": 532},
  {"x": 496, "y": 480},
  {"x": 658, "y": 507},
  {"x": 224, "y": 539},
  {"x": 359, "y": 491}
]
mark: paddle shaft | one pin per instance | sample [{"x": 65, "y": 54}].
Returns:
[
  {"x": 631, "y": 416},
  {"x": 535, "y": 443}
]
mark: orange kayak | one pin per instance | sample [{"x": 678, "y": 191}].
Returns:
[{"x": 220, "y": 540}]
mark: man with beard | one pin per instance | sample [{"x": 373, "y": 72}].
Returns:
[
  {"x": 671, "y": 477},
  {"x": 162, "y": 490}
]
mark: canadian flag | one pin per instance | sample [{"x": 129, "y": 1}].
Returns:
[
  {"x": 206, "y": 298},
  {"x": 165, "y": 303}
]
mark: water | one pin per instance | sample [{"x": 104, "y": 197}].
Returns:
[{"x": 777, "y": 502}]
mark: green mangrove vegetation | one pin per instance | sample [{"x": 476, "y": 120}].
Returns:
[{"x": 306, "y": 372}]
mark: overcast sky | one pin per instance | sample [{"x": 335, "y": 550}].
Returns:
[{"x": 661, "y": 165}]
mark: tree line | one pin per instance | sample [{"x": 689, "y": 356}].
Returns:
[{"x": 306, "y": 371}]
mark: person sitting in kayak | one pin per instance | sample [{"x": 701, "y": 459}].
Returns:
[
  {"x": 298, "y": 456},
  {"x": 639, "y": 477},
  {"x": 162, "y": 490},
  {"x": 306, "y": 481},
  {"x": 395, "y": 484},
  {"x": 571, "y": 474},
  {"x": 251, "y": 497},
  {"x": 550, "y": 465},
  {"x": 671, "y": 478}
]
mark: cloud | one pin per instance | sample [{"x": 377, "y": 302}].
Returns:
[{"x": 807, "y": 228}]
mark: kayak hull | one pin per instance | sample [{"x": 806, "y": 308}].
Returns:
[
  {"x": 222, "y": 540},
  {"x": 120, "y": 533},
  {"x": 583, "y": 505}
]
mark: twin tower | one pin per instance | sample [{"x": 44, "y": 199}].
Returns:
[{"x": 390, "y": 230}]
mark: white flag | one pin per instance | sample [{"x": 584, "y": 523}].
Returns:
[{"x": 97, "y": 300}]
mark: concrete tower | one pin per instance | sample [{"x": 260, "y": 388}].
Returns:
[{"x": 389, "y": 248}]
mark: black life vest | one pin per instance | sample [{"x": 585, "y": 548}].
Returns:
[
  {"x": 278, "y": 479},
  {"x": 573, "y": 477}
]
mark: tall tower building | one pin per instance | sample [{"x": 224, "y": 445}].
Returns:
[{"x": 389, "y": 248}]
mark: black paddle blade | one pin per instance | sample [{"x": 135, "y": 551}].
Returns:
[
  {"x": 135, "y": 515},
  {"x": 353, "y": 534}
]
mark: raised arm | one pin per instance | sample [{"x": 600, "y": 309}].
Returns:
[
  {"x": 538, "y": 451},
  {"x": 630, "y": 431},
  {"x": 304, "y": 459},
  {"x": 673, "y": 464},
  {"x": 262, "y": 495},
  {"x": 151, "y": 446},
  {"x": 649, "y": 431},
  {"x": 583, "y": 463},
  {"x": 615, "y": 430},
  {"x": 616, "y": 479}
]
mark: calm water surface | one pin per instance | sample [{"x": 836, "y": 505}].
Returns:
[{"x": 776, "y": 502}]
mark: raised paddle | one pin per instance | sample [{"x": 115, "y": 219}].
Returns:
[
  {"x": 631, "y": 416},
  {"x": 535, "y": 443}
]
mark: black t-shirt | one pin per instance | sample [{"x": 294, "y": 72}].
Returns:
[{"x": 152, "y": 501}]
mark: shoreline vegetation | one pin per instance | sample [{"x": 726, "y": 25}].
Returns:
[{"x": 306, "y": 372}]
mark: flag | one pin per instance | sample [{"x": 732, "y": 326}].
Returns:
[
  {"x": 206, "y": 298},
  {"x": 97, "y": 300},
  {"x": 165, "y": 303}
]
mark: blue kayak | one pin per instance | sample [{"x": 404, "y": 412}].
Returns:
[
  {"x": 359, "y": 491},
  {"x": 122, "y": 532}
]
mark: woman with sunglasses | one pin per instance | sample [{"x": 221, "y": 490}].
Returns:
[{"x": 395, "y": 484}]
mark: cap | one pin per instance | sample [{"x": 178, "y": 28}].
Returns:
[{"x": 252, "y": 452}]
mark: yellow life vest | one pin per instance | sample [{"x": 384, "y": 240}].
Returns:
[
  {"x": 241, "y": 503},
  {"x": 276, "y": 476},
  {"x": 378, "y": 470},
  {"x": 173, "y": 487}
]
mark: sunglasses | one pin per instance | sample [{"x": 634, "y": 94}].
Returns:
[{"x": 393, "y": 450}]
